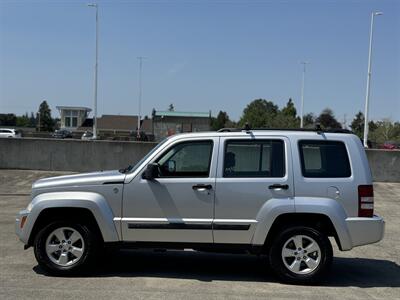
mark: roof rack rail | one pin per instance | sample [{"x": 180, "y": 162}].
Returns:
[{"x": 317, "y": 129}]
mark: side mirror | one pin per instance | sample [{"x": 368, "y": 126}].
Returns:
[{"x": 151, "y": 172}]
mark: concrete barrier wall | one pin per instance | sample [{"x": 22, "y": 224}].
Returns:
[
  {"x": 385, "y": 165},
  {"x": 80, "y": 156},
  {"x": 69, "y": 155}
]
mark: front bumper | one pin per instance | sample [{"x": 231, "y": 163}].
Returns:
[
  {"x": 365, "y": 231},
  {"x": 22, "y": 228}
]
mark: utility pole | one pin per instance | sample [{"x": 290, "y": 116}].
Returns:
[
  {"x": 140, "y": 58},
  {"x": 371, "y": 33},
  {"x": 302, "y": 93},
  {"x": 39, "y": 119},
  {"x": 95, "y": 5}
]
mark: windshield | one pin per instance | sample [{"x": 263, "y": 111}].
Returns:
[{"x": 132, "y": 168}]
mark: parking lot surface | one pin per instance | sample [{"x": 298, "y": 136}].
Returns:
[{"x": 368, "y": 272}]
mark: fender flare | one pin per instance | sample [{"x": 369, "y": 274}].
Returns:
[
  {"x": 267, "y": 216},
  {"x": 333, "y": 210},
  {"x": 94, "y": 202},
  {"x": 273, "y": 208}
]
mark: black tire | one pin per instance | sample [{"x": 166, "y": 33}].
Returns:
[
  {"x": 91, "y": 241},
  {"x": 278, "y": 266}
]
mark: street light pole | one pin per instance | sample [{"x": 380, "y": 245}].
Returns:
[
  {"x": 140, "y": 58},
  {"x": 95, "y": 5},
  {"x": 371, "y": 33},
  {"x": 302, "y": 93}
]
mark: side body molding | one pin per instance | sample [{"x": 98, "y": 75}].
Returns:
[{"x": 94, "y": 202}]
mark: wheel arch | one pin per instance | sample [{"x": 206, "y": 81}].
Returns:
[
  {"x": 77, "y": 214},
  {"x": 82, "y": 206},
  {"x": 318, "y": 221},
  {"x": 304, "y": 210}
]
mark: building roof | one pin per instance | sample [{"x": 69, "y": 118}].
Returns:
[
  {"x": 117, "y": 122},
  {"x": 181, "y": 114},
  {"x": 74, "y": 108}
]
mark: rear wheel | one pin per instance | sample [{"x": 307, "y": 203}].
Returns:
[
  {"x": 300, "y": 254},
  {"x": 64, "y": 248}
]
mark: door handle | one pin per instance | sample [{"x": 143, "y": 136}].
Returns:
[
  {"x": 202, "y": 187},
  {"x": 278, "y": 187}
]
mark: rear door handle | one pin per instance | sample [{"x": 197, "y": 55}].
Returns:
[
  {"x": 278, "y": 187},
  {"x": 202, "y": 187}
]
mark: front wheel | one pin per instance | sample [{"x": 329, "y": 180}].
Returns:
[
  {"x": 64, "y": 248},
  {"x": 300, "y": 254}
]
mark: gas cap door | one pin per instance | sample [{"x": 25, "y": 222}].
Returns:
[{"x": 333, "y": 192}]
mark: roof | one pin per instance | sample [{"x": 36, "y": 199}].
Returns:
[
  {"x": 181, "y": 114},
  {"x": 117, "y": 122},
  {"x": 74, "y": 108}
]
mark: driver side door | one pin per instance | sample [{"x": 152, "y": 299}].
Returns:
[{"x": 177, "y": 206}]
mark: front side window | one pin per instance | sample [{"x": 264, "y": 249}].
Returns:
[
  {"x": 262, "y": 158},
  {"x": 324, "y": 159},
  {"x": 187, "y": 159}
]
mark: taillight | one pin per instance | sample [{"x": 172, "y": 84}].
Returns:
[{"x": 365, "y": 201}]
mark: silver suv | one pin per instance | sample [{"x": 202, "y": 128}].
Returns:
[{"x": 276, "y": 193}]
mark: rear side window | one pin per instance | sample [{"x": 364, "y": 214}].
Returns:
[
  {"x": 262, "y": 158},
  {"x": 324, "y": 159}
]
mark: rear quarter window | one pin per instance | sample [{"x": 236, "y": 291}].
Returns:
[{"x": 324, "y": 159}]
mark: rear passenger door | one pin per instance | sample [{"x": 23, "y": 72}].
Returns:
[
  {"x": 251, "y": 171},
  {"x": 325, "y": 172}
]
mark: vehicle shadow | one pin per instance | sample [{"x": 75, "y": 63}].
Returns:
[{"x": 202, "y": 266}]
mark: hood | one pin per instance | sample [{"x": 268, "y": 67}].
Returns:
[{"x": 94, "y": 178}]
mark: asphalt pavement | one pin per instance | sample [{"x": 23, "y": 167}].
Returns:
[{"x": 368, "y": 272}]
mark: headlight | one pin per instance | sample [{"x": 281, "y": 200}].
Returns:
[{"x": 29, "y": 207}]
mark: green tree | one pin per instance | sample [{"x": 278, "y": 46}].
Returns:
[
  {"x": 32, "y": 120},
  {"x": 309, "y": 120},
  {"x": 357, "y": 125},
  {"x": 327, "y": 119},
  {"x": 23, "y": 121},
  {"x": 221, "y": 121},
  {"x": 287, "y": 117},
  {"x": 259, "y": 113},
  {"x": 289, "y": 110},
  {"x": 385, "y": 130},
  {"x": 8, "y": 120},
  {"x": 45, "y": 122}
]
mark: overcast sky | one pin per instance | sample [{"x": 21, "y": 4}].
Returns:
[{"x": 202, "y": 55}]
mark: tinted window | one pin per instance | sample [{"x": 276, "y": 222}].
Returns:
[
  {"x": 265, "y": 158},
  {"x": 188, "y": 159},
  {"x": 324, "y": 159}
]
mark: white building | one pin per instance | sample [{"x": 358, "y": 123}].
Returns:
[{"x": 72, "y": 117}]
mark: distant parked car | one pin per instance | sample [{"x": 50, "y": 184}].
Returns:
[
  {"x": 10, "y": 133},
  {"x": 87, "y": 135},
  {"x": 62, "y": 134},
  {"x": 389, "y": 145}
]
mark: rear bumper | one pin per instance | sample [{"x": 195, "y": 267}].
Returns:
[{"x": 365, "y": 231}]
